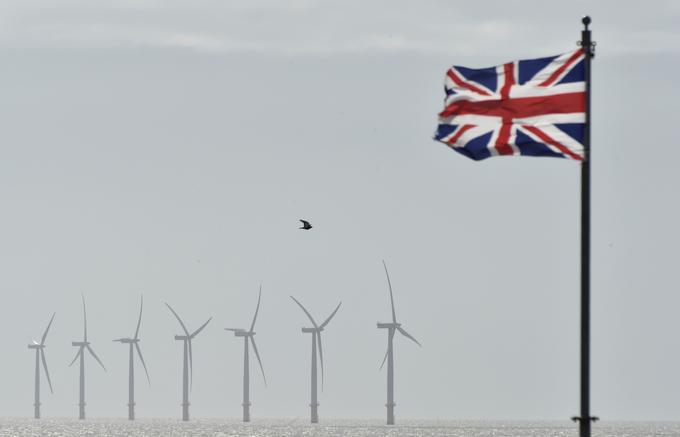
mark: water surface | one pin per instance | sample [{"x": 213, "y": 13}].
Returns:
[{"x": 330, "y": 428}]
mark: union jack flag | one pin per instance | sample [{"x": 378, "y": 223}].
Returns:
[{"x": 532, "y": 107}]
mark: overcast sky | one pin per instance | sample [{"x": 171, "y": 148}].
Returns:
[{"x": 169, "y": 148}]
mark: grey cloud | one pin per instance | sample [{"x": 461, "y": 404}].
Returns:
[{"x": 325, "y": 28}]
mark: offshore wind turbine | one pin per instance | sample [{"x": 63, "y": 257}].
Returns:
[
  {"x": 134, "y": 344},
  {"x": 248, "y": 335},
  {"x": 316, "y": 338},
  {"x": 40, "y": 356},
  {"x": 389, "y": 355},
  {"x": 188, "y": 367},
  {"x": 82, "y": 345}
]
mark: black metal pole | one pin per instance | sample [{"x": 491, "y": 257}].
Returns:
[{"x": 585, "y": 418}]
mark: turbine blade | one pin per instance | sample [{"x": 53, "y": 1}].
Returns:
[
  {"x": 391, "y": 336},
  {"x": 331, "y": 316},
  {"x": 318, "y": 339},
  {"x": 76, "y": 357},
  {"x": 306, "y": 312},
  {"x": 252, "y": 325},
  {"x": 44, "y": 336},
  {"x": 389, "y": 283},
  {"x": 84, "y": 318},
  {"x": 195, "y": 333},
  {"x": 407, "y": 335},
  {"x": 139, "y": 322},
  {"x": 384, "y": 359},
  {"x": 141, "y": 358},
  {"x": 96, "y": 357},
  {"x": 180, "y": 320},
  {"x": 257, "y": 354},
  {"x": 47, "y": 373},
  {"x": 191, "y": 366}
]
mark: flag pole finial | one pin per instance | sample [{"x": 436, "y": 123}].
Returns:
[
  {"x": 586, "y": 21},
  {"x": 587, "y": 44}
]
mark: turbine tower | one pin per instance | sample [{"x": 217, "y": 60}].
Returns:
[
  {"x": 40, "y": 356},
  {"x": 248, "y": 335},
  {"x": 134, "y": 344},
  {"x": 82, "y": 345},
  {"x": 389, "y": 355},
  {"x": 188, "y": 368},
  {"x": 316, "y": 338}
]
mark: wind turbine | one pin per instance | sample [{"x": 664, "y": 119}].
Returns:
[
  {"x": 389, "y": 355},
  {"x": 40, "y": 356},
  {"x": 250, "y": 334},
  {"x": 82, "y": 345},
  {"x": 134, "y": 344},
  {"x": 188, "y": 362},
  {"x": 316, "y": 338}
]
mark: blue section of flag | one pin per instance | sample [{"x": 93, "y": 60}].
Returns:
[
  {"x": 476, "y": 148},
  {"x": 484, "y": 76},
  {"x": 529, "y": 147},
  {"x": 576, "y": 74},
  {"x": 529, "y": 68},
  {"x": 576, "y": 131},
  {"x": 444, "y": 130}
]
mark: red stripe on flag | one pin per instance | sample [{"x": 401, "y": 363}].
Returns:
[
  {"x": 502, "y": 145},
  {"x": 458, "y": 81},
  {"x": 520, "y": 107},
  {"x": 509, "y": 74},
  {"x": 461, "y": 130},
  {"x": 549, "y": 140},
  {"x": 502, "y": 142},
  {"x": 553, "y": 77}
]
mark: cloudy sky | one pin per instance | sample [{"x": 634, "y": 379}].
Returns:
[{"x": 169, "y": 148}]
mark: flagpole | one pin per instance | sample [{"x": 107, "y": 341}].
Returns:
[{"x": 585, "y": 418}]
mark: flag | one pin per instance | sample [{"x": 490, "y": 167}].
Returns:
[{"x": 533, "y": 107}]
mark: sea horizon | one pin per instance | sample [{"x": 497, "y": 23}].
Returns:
[{"x": 331, "y": 427}]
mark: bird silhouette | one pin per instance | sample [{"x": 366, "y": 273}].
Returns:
[{"x": 305, "y": 225}]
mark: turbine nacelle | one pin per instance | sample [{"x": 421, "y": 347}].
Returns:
[
  {"x": 388, "y": 325},
  {"x": 127, "y": 340},
  {"x": 309, "y": 330},
  {"x": 182, "y": 337},
  {"x": 36, "y": 346},
  {"x": 80, "y": 343},
  {"x": 244, "y": 334}
]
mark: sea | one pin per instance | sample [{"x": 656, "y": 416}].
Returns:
[{"x": 331, "y": 428}]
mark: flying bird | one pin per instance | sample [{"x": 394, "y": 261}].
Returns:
[{"x": 305, "y": 225}]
